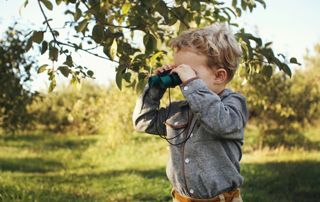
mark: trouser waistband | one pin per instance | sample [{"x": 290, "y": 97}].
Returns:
[{"x": 225, "y": 197}]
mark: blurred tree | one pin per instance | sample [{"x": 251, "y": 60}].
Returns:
[
  {"x": 313, "y": 64},
  {"x": 112, "y": 25},
  {"x": 15, "y": 70},
  {"x": 282, "y": 107},
  {"x": 69, "y": 110},
  {"x": 92, "y": 109}
]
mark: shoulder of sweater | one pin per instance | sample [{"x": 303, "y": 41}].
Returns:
[{"x": 227, "y": 92}]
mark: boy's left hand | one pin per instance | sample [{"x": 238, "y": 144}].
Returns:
[{"x": 184, "y": 71}]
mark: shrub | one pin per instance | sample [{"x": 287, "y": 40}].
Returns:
[
  {"x": 281, "y": 106},
  {"x": 71, "y": 110}
]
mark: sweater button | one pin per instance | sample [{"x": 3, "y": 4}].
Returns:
[
  {"x": 187, "y": 160},
  {"x": 191, "y": 191},
  {"x": 185, "y": 88}
]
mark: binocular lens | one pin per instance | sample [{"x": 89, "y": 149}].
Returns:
[{"x": 165, "y": 80}]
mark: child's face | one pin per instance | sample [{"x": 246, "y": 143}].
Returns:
[{"x": 197, "y": 62}]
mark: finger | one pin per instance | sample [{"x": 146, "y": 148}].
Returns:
[
  {"x": 167, "y": 67},
  {"x": 180, "y": 66},
  {"x": 173, "y": 70},
  {"x": 155, "y": 72},
  {"x": 172, "y": 66},
  {"x": 158, "y": 71}
]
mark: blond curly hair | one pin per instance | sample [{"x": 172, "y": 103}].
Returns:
[{"x": 217, "y": 42}]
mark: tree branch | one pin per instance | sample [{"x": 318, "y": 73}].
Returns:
[
  {"x": 104, "y": 23},
  {"x": 56, "y": 41},
  {"x": 47, "y": 22}
]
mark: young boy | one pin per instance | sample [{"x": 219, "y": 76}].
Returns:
[{"x": 206, "y": 130}]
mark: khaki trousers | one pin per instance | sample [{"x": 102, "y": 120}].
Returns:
[{"x": 231, "y": 196}]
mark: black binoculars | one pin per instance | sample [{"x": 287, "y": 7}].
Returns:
[{"x": 165, "y": 80}]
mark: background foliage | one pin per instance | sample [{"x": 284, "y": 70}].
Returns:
[
  {"x": 48, "y": 162},
  {"x": 16, "y": 72},
  {"x": 113, "y": 26}
]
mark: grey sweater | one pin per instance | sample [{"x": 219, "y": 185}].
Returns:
[{"x": 207, "y": 164}]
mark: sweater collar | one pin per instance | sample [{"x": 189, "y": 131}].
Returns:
[{"x": 222, "y": 95}]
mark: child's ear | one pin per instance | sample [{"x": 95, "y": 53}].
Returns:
[{"x": 220, "y": 76}]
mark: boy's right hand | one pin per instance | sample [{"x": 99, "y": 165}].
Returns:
[{"x": 164, "y": 68}]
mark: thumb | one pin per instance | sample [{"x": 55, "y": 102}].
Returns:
[{"x": 173, "y": 71}]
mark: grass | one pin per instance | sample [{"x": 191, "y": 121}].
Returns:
[{"x": 70, "y": 168}]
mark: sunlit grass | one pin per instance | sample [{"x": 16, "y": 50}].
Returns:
[{"x": 72, "y": 168}]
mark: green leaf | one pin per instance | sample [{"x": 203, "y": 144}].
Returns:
[
  {"x": 69, "y": 61},
  {"x": 262, "y": 3},
  {"x": 25, "y": 3},
  {"x": 244, "y": 5},
  {"x": 98, "y": 33},
  {"x": 119, "y": 79},
  {"x": 42, "y": 68},
  {"x": 182, "y": 27},
  {"x": 195, "y": 5},
  {"x": 198, "y": 20},
  {"x": 146, "y": 3},
  {"x": 44, "y": 47},
  {"x": 141, "y": 76},
  {"x": 180, "y": 11},
  {"x": 294, "y": 61},
  {"x": 268, "y": 44},
  {"x": 172, "y": 20},
  {"x": 163, "y": 10},
  {"x": 77, "y": 14},
  {"x": 74, "y": 80},
  {"x": 125, "y": 8},
  {"x": 110, "y": 49},
  {"x": 64, "y": 70},
  {"x": 251, "y": 37},
  {"x": 286, "y": 69},
  {"x": 53, "y": 53},
  {"x": 37, "y": 36},
  {"x": 150, "y": 43},
  {"x": 52, "y": 86},
  {"x": 267, "y": 71},
  {"x": 113, "y": 49},
  {"x": 234, "y": 3},
  {"x": 132, "y": 84},
  {"x": 47, "y": 4},
  {"x": 82, "y": 25},
  {"x": 127, "y": 76},
  {"x": 29, "y": 44},
  {"x": 238, "y": 11},
  {"x": 58, "y": 2},
  {"x": 155, "y": 56},
  {"x": 90, "y": 73},
  {"x": 230, "y": 10}
]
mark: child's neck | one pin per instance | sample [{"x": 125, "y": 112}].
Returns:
[{"x": 217, "y": 88}]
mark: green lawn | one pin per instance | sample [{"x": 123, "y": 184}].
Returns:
[{"x": 70, "y": 168}]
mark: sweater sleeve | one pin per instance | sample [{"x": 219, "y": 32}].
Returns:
[
  {"x": 220, "y": 118},
  {"x": 147, "y": 117}
]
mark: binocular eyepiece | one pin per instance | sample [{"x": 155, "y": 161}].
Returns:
[{"x": 165, "y": 80}]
